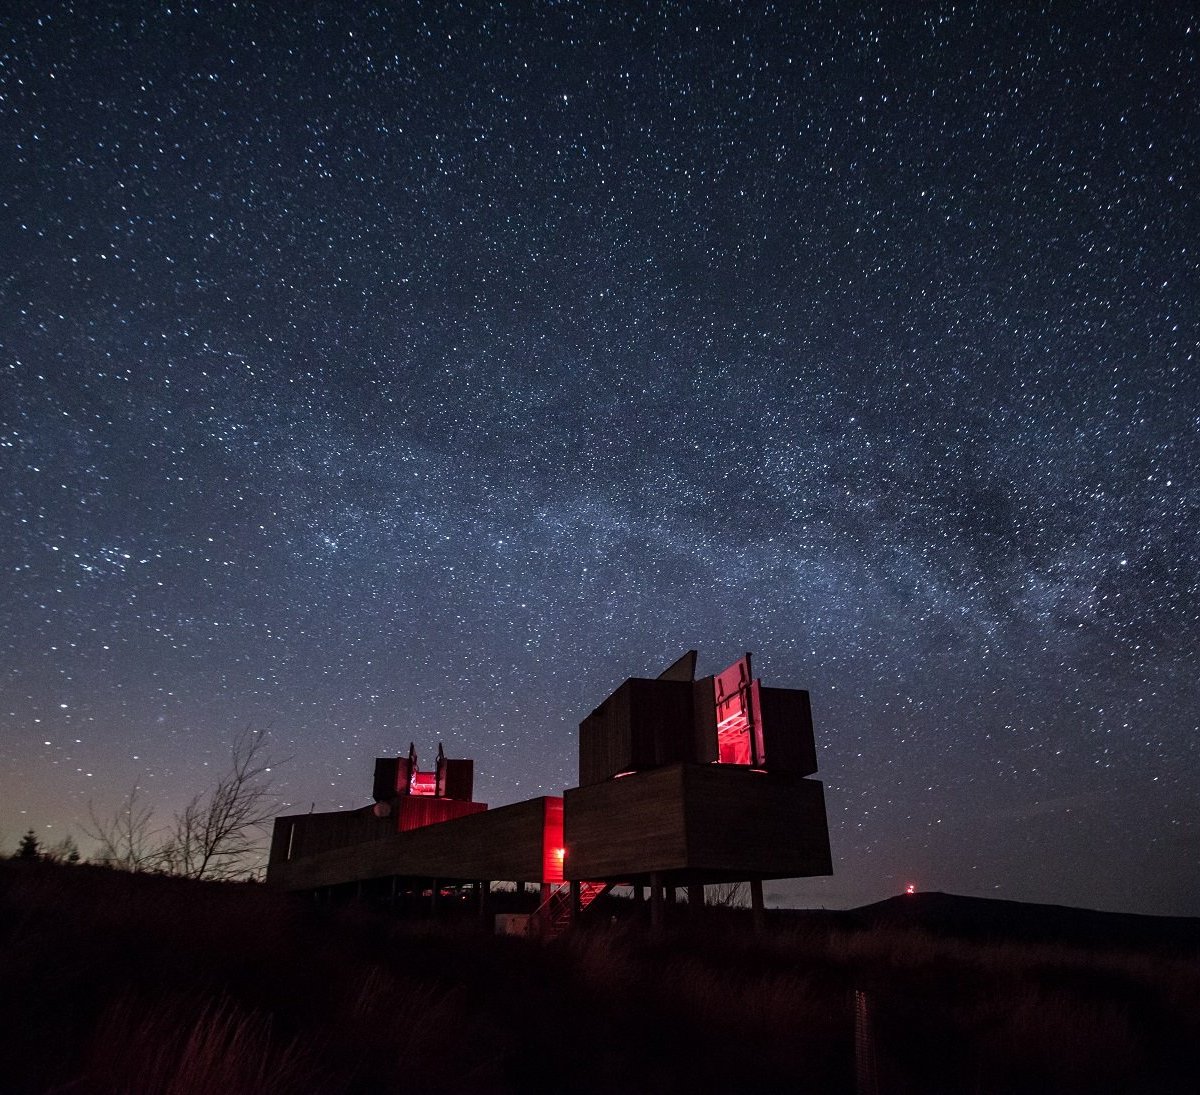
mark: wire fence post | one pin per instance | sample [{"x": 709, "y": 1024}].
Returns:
[{"x": 866, "y": 1071}]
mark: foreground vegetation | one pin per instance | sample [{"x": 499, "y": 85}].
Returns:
[{"x": 115, "y": 982}]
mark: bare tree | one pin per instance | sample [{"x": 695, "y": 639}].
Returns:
[
  {"x": 219, "y": 834},
  {"x": 126, "y": 839}
]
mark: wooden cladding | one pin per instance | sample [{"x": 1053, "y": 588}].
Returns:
[
  {"x": 643, "y": 724},
  {"x": 506, "y": 843},
  {"x": 308, "y": 834},
  {"x": 449, "y": 778},
  {"x": 787, "y": 728},
  {"x": 752, "y": 823},
  {"x": 647, "y": 723},
  {"x": 626, "y": 826},
  {"x": 457, "y": 779},
  {"x": 703, "y": 821},
  {"x": 391, "y": 778},
  {"x": 415, "y": 811}
]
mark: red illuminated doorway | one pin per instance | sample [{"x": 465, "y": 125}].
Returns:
[{"x": 739, "y": 715}]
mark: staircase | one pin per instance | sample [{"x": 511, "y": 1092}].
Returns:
[{"x": 554, "y": 914}]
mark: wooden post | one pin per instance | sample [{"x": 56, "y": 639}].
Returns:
[
  {"x": 866, "y": 1065},
  {"x": 435, "y": 895},
  {"x": 485, "y": 902},
  {"x": 757, "y": 911},
  {"x": 695, "y": 896},
  {"x": 670, "y": 895},
  {"x": 656, "y": 902},
  {"x": 576, "y": 905}
]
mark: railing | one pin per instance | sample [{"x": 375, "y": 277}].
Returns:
[{"x": 554, "y": 915}]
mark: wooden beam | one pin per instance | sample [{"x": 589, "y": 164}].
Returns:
[
  {"x": 709, "y": 823},
  {"x": 507, "y": 842}
]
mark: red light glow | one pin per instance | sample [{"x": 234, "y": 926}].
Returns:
[
  {"x": 423, "y": 783},
  {"x": 418, "y": 811},
  {"x": 553, "y": 849},
  {"x": 739, "y": 715},
  {"x": 911, "y": 888}
]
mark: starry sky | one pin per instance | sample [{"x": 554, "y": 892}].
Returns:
[{"x": 418, "y": 372}]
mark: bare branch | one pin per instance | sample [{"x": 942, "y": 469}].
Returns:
[
  {"x": 219, "y": 835},
  {"x": 126, "y": 839}
]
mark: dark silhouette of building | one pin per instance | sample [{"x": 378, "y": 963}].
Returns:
[{"x": 682, "y": 783}]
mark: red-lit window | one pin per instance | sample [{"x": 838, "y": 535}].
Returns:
[
  {"x": 739, "y": 717},
  {"x": 423, "y": 783},
  {"x": 553, "y": 851}
]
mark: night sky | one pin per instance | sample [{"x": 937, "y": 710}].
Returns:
[{"x": 421, "y": 372}]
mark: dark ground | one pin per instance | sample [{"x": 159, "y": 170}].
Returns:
[{"x": 112, "y": 982}]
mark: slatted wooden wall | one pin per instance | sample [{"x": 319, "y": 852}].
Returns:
[{"x": 506, "y": 843}]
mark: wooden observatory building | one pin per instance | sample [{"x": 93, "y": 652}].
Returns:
[{"x": 683, "y": 782}]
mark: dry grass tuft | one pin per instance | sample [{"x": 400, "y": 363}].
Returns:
[{"x": 190, "y": 1047}]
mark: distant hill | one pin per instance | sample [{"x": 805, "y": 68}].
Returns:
[{"x": 982, "y": 918}]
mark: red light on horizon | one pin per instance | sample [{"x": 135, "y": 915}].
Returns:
[{"x": 911, "y": 888}]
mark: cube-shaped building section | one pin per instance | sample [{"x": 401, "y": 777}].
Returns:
[
  {"x": 649, "y": 722},
  {"x": 419, "y": 798},
  {"x": 697, "y": 781}
]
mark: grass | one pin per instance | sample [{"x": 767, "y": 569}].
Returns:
[{"x": 113, "y": 983}]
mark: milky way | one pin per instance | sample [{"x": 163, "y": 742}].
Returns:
[{"x": 419, "y": 373}]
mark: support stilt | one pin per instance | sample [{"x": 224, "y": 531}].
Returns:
[
  {"x": 656, "y": 902},
  {"x": 757, "y": 910}
]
